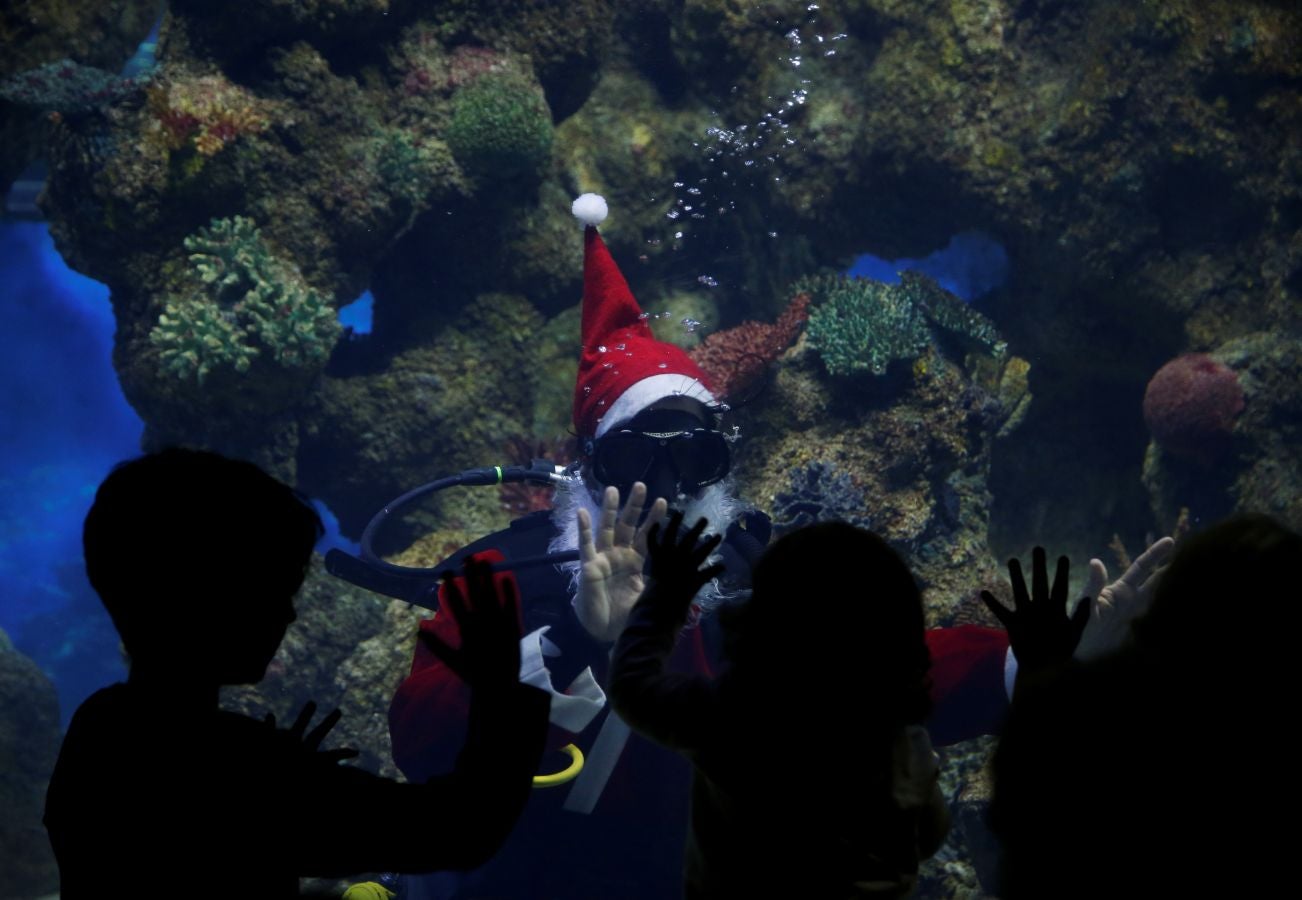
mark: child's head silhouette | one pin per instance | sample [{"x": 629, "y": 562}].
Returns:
[
  {"x": 197, "y": 559},
  {"x": 837, "y": 604}
]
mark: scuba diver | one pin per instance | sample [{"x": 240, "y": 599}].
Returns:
[
  {"x": 609, "y": 813},
  {"x": 649, "y": 429}
]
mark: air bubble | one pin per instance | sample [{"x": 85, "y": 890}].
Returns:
[
  {"x": 620, "y": 346},
  {"x": 644, "y": 316},
  {"x": 707, "y": 281},
  {"x": 587, "y": 389},
  {"x": 672, "y": 214},
  {"x": 601, "y": 402},
  {"x": 601, "y": 348},
  {"x": 606, "y": 365},
  {"x": 663, "y": 366}
]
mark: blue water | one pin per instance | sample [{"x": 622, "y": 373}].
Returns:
[{"x": 64, "y": 423}]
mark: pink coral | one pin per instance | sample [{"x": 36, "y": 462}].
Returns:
[
  {"x": 1191, "y": 405},
  {"x": 733, "y": 359}
]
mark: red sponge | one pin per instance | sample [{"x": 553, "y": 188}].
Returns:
[{"x": 1191, "y": 404}]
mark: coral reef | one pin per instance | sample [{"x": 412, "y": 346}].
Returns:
[
  {"x": 733, "y": 359},
  {"x": 1136, "y": 161},
  {"x": 908, "y": 454},
  {"x": 1259, "y": 470},
  {"x": 29, "y": 744},
  {"x": 859, "y": 325},
  {"x": 1190, "y": 406},
  {"x": 35, "y": 33}
]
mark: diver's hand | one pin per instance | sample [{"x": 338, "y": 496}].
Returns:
[
  {"x": 1118, "y": 604},
  {"x": 489, "y": 625},
  {"x": 676, "y": 563},
  {"x": 311, "y": 740},
  {"x": 1038, "y": 626},
  {"x": 611, "y": 577}
]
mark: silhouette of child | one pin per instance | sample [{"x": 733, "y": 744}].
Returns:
[
  {"x": 197, "y": 559},
  {"x": 813, "y": 774},
  {"x": 1152, "y": 771}
]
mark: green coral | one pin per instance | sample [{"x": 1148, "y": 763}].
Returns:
[
  {"x": 501, "y": 126},
  {"x": 413, "y": 167},
  {"x": 244, "y": 302},
  {"x": 858, "y": 325}
]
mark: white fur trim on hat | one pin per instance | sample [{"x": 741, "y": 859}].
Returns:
[
  {"x": 590, "y": 209},
  {"x": 642, "y": 394}
]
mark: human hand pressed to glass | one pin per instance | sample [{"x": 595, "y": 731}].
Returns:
[
  {"x": 676, "y": 563},
  {"x": 489, "y": 625},
  {"x": 1118, "y": 604},
  {"x": 1039, "y": 629},
  {"x": 311, "y": 740},
  {"x": 611, "y": 575}
]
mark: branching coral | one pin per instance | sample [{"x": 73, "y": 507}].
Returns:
[
  {"x": 733, "y": 359},
  {"x": 208, "y": 113},
  {"x": 859, "y": 325},
  {"x": 246, "y": 301}
]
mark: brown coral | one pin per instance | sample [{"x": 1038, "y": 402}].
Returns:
[{"x": 733, "y": 359}]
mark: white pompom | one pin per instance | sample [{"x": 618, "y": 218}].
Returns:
[{"x": 590, "y": 209}]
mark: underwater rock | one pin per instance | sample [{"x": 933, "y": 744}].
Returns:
[
  {"x": 447, "y": 404},
  {"x": 97, "y": 33},
  {"x": 1259, "y": 470},
  {"x": 819, "y": 492},
  {"x": 29, "y": 744}
]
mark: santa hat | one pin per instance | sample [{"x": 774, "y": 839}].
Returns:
[{"x": 623, "y": 369}]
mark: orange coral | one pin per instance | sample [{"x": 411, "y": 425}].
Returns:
[{"x": 733, "y": 359}]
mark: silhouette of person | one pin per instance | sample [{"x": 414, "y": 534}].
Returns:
[
  {"x": 1150, "y": 771},
  {"x": 197, "y": 559},
  {"x": 845, "y": 806}
]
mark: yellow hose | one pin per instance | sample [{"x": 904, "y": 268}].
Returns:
[{"x": 569, "y": 773}]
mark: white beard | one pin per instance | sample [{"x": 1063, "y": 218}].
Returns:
[{"x": 716, "y": 504}]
